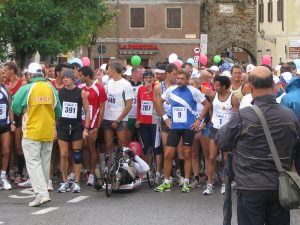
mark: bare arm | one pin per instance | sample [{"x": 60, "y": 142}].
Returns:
[
  {"x": 235, "y": 103},
  {"x": 85, "y": 105},
  {"x": 10, "y": 112},
  {"x": 128, "y": 104}
]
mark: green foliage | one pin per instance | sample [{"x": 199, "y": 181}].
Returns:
[{"x": 49, "y": 26}]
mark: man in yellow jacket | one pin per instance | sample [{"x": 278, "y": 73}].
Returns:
[{"x": 39, "y": 103}]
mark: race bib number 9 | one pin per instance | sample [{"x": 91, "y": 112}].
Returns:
[
  {"x": 146, "y": 108},
  {"x": 179, "y": 114},
  {"x": 3, "y": 108},
  {"x": 69, "y": 110}
]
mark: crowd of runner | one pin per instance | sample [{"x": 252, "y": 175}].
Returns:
[{"x": 174, "y": 112}]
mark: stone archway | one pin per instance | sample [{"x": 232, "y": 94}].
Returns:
[{"x": 242, "y": 45}]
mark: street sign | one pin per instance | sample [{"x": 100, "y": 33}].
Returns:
[
  {"x": 196, "y": 50},
  {"x": 203, "y": 43},
  {"x": 101, "y": 49},
  {"x": 294, "y": 49}
]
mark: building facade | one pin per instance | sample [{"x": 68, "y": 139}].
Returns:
[
  {"x": 278, "y": 30},
  {"x": 151, "y": 29}
]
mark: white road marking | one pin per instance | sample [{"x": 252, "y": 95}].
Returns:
[
  {"x": 28, "y": 191},
  {"x": 1, "y": 222},
  {"x": 18, "y": 196},
  {"x": 44, "y": 211},
  {"x": 78, "y": 199}
]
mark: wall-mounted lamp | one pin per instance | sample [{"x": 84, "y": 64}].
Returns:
[{"x": 262, "y": 33}]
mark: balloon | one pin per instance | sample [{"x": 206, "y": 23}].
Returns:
[
  {"x": 172, "y": 58},
  {"x": 136, "y": 147},
  {"x": 136, "y": 60},
  {"x": 266, "y": 59},
  {"x": 178, "y": 63},
  {"x": 217, "y": 59},
  {"x": 86, "y": 61},
  {"x": 203, "y": 59},
  {"x": 191, "y": 61},
  {"x": 225, "y": 67},
  {"x": 78, "y": 61},
  {"x": 297, "y": 62}
]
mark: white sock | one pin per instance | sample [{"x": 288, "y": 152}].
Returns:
[
  {"x": 157, "y": 174},
  {"x": 3, "y": 173}
]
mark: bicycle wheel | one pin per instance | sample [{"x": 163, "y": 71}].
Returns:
[{"x": 151, "y": 174}]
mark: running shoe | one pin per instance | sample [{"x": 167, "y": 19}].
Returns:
[
  {"x": 186, "y": 187},
  {"x": 4, "y": 183},
  {"x": 64, "y": 187},
  {"x": 223, "y": 189},
  {"x": 25, "y": 184},
  {"x": 208, "y": 190},
  {"x": 163, "y": 187},
  {"x": 71, "y": 178},
  {"x": 158, "y": 179},
  {"x": 181, "y": 181},
  {"x": 76, "y": 188},
  {"x": 50, "y": 185},
  {"x": 91, "y": 180},
  {"x": 195, "y": 184},
  {"x": 39, "y": 200},
  {"x": 18, "y": 179}
]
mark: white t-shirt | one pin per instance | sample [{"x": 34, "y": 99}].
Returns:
[
  {"x": 246, "y": 101},
  {"x": 117, "y": 93}
]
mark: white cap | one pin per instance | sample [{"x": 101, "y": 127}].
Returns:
[
  {"x": 214, "y": 68},
  {"x": 277, "y": 67},
  {"x": 287, "y": 76},
  {"x": 226, "y": 73},
  {"x": 35, "y": 68},
  {"x": 249, "y": 68},
  {"x": 128, "y": 72},
  {"x": 103, "y": 66},
  {"x": 276, "y": 79}
]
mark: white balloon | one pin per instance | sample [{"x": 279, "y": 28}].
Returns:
[{"x": 172, "y": 58}]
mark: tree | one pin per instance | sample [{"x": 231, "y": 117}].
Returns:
[{"x": 48, "y": 26}]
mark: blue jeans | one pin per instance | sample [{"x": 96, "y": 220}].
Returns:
[{"x": 261, "y": 207}]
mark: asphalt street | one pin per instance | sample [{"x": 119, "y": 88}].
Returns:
[{"x": 141, "y": 206}]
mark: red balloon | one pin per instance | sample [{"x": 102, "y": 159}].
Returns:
[
  {"x": 178, "y": 63},
  {"x": 203, "y": 59},
  {"x": 266, "y": 59},
  {"x": 136, "y": 147}
]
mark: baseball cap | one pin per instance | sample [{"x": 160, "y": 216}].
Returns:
[
  {"x": 69, "y": 73},
  {"x": 35, "y": 68},
  {"x": 226, "y": 73},
  {"x": 128, "y": 72},
  {"x": 214, "y": 68},
  {"x": 249, "y": 68}
]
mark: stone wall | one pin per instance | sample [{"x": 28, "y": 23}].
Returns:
[{"x": 230, "y": 25}]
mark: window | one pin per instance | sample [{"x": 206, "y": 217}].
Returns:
[
  {"x": 261, "y": 12},
  {"x": 279, "y": 10},
  {"x": 270, "y": 11},
  {"x": 173, "y": 17},
  {"x": 137, "y": 17}
]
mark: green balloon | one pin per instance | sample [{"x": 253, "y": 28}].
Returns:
[
  {"x": 136, "y": 60},
  {"x": 217, "y": 59}
]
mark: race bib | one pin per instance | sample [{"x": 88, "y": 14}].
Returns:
[
  {"x": 179, "y": 114},
  {"x": 222, "y": 119},
  {"x": 3, "y": 109},
  {"x": 91, "y": 112},
  {"x": 146, "y": 108},
  {"x": 111, "y": 99},
  {"x": 69, "y": 110}
]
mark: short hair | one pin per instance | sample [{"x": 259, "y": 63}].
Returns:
[
  {"x": 236, "y": 67},
  {"x": 292, "y": 65},
  {"x": 87, "y": 71},
  {"x": 224, "y": 81},
  {"x": 285, "y": 68},
  {"x": 74, "y": 66},
  {"x": 184, "y": 72},
  {"x": 117, "y": 66},
  {"x": 196, "y": 80},
  {"x": 148, "y": 72},
  {"x": 59, "y": 67},
  {"x": 136, "y": 68},
  {"x": 12, "y": 66},
  {"x": 261, "y": 82},
  {"x": 51, "y": 65},
  {"x": 170, "y": 67},
  {"x": 186, "y": 64},
  {"x": 46, "y": 64}
]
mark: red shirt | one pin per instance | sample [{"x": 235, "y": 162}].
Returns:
[
  {"x": 53, "y": 82},
  {"x": 145, "y": 106},
  {"x": 15, "y": 88},
  {"x": 96, "y": 95}
]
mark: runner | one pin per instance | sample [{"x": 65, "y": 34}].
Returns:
[
  {"x": 120, "y": 95},
  {"x": 223, "y": 104},
  {"x": 148, "y": 120},
  {"x": 239, "y": 88},
  {"x": 96, "y": 98},
  {"x": 69, "y": 128},
  {"x": 182, "y": 124},
  {"x": 13, "y": 83},
  {"x": 6, "y": 125}
]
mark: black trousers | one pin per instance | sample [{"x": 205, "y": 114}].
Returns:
[{"x": 261, "y": 207}]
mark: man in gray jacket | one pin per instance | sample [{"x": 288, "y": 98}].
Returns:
[{"x": 255, "y": 171}]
